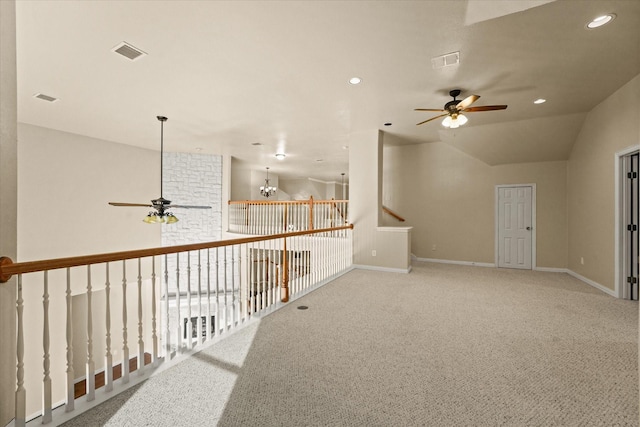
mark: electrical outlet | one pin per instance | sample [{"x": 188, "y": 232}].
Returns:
[
  {"x": 582, "y": 260},
  {"x": 373, "y": 252},
  {"x": 433, "y": 248}
]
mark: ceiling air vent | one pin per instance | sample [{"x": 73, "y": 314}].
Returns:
[
  {"x": 45, "y": 97},
  {"x": 128, "y": 51},
  {"x": 445, "y": 60}
]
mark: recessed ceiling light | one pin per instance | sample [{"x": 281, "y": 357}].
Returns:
[
  {"x": 345, "y": 147},
  {"x": 388, "y": 124},
  {"x": 256, "y": 143},
  {"x": 601, "y": 20},
  {"x": 540, "y": 101},
  {"x": 319, "y": 160},
  {"x": 198, "y": 149},
  {"x": 355, "y": 80},
  {"x": 280, "y": 156}
]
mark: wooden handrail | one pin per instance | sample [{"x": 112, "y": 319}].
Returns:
[
  {"x": 392, "y": 213},
  {"x": 8, "y": 268}
]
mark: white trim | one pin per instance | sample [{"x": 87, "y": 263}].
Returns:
[
  {"x": 552, "y": 269},
  {"x": 395, "y": 229},
  {"x": 618, "y": 231},
  {"x": 534, "y": 227},
  {"x": 385, "y": 269},
  {"x": 448, "y": 261},
  {"x": 592, "y": 283}
]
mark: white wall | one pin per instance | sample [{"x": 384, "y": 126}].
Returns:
[
  {"x": 610, "y": 127},
  {"x": 8, "y": 203},
  {"x": 64, "y": 184}
]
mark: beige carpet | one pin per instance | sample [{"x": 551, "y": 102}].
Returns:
[{"x": 443, "y": 346}]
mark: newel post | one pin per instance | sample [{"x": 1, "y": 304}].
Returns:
[{"x": 285, "y": 274}]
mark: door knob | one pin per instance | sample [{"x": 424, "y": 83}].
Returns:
[{"x": 528, "y": 228}]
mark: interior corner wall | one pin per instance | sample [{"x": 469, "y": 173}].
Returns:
[
  {"x": 8, "y": 205},
  {"x": 449, "y": 199},
  {"x": 240, "y": 181},
  {"x": 611, "y": 126}
]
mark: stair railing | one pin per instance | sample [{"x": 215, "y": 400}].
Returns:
[
  {"x": 261, "y": 217},
  {"x": 90, "y": 312}
]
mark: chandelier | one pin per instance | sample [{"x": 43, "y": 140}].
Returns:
[{"x": 267, "y": 190}]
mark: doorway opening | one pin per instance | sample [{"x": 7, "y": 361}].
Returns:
[{"x": 627, "y": 224}]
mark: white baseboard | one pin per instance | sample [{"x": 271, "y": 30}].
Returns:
[
  {"x": 552, "y": 269},
  {"x": 447, "y": 261},
  {"x": 545, "y": 269},
  {"x": 592, "y": 283},
  {"x": 385, "y": 269}
]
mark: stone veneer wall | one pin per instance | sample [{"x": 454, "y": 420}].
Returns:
[{"x": 193, "y": 179}]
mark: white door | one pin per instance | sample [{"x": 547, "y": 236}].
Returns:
[{"x": 515, "y": 227}]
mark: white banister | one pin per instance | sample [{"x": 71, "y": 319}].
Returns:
[
  {"x": 21, "y": 393},
  {"x": 46, "y": 360},
  {"x": 125, "y": 346},
  {"x": 91, "y": 369},
  {"x": 189, "y": 325},
  {"x": 154, "y": 331},
  {"x": 245, "y": 281},
  {"x": 140, "y": 329},
  {"x": 108, "y": 357},
  {"x": 70, "y": 400}
]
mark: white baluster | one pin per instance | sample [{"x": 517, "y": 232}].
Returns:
[
  {"x": 140, "y": 328},
  {"x": 189, "y": 319},
  {"x": 154, "y": 332},
  {"x": 226, "y": 303},
  {"x": 108, "y": 357},
  {"x": 167, "y": 330},
  {"x": 217, "y": 319},
  {"x": 240, "y": 299},
  {"x": 70, "y": 402},
  {"x": 46, "y": 362},
  {"x": 125, "y": 345},
  {"x": 91, "y": 369},
  {"x": 178, "y": 311},
  {"x": 21, "y": 407},
  {"x": 199, "y": 321},
  {"x": 233, "y": 290},
  {"x": 208, "y": 322}
]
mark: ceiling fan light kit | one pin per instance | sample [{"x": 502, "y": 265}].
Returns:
[
  {"x": 452, "y": 111},
  {"x": 160, "y": 215}
]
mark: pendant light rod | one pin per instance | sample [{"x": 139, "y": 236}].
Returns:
[{"x": 162, "y": 119}]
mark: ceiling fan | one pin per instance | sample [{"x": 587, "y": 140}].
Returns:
[
  {"x": 160, "y": 204},
  {"x": 453, "y": 110}
]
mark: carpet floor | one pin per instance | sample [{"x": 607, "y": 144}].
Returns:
[{"x": 442, "y": 346}]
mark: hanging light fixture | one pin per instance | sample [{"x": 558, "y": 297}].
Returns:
[
  {"x": 161, "y": 204},
  {"x": 454, "y": 121},
  {"x": 267, "y": 190}
]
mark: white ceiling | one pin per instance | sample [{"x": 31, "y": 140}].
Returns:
[{"x": 232, "y": 74}]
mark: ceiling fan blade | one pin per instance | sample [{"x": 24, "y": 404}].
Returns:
[
  {"x": 462, "y": 105},
  {"x": 188, "y": 207},
  {"x": 432, "y": 118},
  {"x": 130, "y": 204},
  {"x": 485, "y": 108},
  {"x": 428, "y": 109}
]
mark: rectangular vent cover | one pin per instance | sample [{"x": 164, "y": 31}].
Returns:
[
  {"x": 445, "y": 60},
  {"x": 128, "y": 51},
  {"x": 45, "y": 97}
]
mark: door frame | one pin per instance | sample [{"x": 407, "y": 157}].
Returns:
[
  {"x": 533, "y": 221},
  {"x": 619, "y": 245}
]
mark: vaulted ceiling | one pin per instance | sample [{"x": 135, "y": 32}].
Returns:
[{"x": 252, "y": 79}]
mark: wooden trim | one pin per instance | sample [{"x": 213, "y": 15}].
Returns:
[
  {"x": 80, "y": 387},
  {"x": 8, "y": 269},
  {"x": 392, "y": 213}
]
